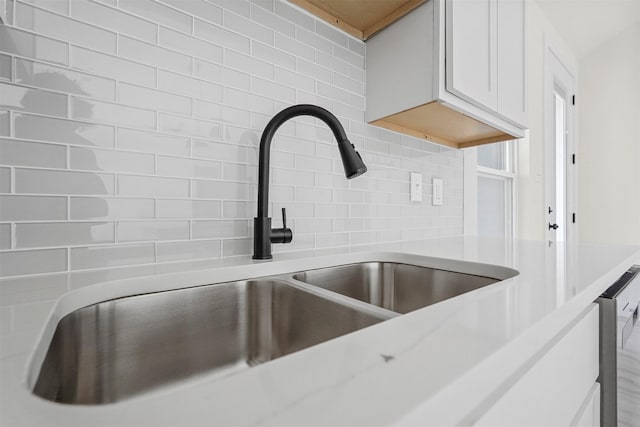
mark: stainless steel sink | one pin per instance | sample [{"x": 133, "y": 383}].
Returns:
[
  {"x": 115, "y": 349},
  {"x": 394, "y": 286}
]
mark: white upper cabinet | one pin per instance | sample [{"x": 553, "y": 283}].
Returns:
[{"x": 451, "y": 71}]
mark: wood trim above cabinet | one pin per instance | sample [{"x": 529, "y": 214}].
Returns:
[
  {"x": 360, "y": 18},
  {"x": 438, "y": 123}
]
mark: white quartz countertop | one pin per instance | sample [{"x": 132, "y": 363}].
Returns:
[{"x": 445, "y": 364}]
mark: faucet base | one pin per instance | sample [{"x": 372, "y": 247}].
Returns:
[{"x": 262, "y": 238}]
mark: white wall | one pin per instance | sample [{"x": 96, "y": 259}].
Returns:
[
  {"x": 609, "y": 146},
  {"x": 129, "y": 134},
  {"x": 531, "y": 182}
]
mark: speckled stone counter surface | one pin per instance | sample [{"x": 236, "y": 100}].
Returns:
[{"x": 449, "y": 362}]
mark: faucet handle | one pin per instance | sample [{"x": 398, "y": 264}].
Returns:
[
  {"x": 284, "y": 234},
  {"x": 284, "y": 217}
]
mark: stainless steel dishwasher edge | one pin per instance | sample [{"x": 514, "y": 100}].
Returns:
[{"x": 618, "y": 316}]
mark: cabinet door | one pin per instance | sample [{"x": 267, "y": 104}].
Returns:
[
  {"x": 511, "y": 61},
  {"x": 471, "y": 57}
]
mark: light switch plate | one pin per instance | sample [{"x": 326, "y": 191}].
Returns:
[
  {"x": 437, "y": 192},
  {"x": 416, "y": 187}
]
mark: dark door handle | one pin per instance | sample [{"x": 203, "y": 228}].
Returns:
[{"x": 553, "y": 226}]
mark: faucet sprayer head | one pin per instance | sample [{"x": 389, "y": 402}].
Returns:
[{"x": 351, "y": 160}]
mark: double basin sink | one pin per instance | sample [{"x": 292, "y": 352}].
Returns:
[{"x": 119, "y": 348}]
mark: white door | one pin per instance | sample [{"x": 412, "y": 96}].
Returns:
[{"x": 559, "y": 165}]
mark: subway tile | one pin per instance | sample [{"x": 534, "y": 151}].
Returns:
[
  {"x": 268, "y": 19},
  {"x": 221, "y": 36},
  {"x": 326, "y": 240},
  {"x": 348, "y": 224},
  {"x": 199, "y": 8},
  {"x": 110, "y": 208},
  {"x": 190, "y": 168},
  {"x": 24, "y": 43},
  {"x": 275, "y": 56},
  {"x": 234, "y": 247},
  {"x": 282, "y": 193},
  {"x": 240, "y": 173},
  {"x": 132, "y": 231},
  {"x": 294, "y": 210},
  {"x": 112, "y": 19},
  {"x": 239, "y": 7},
  {"x": 41, "y": 128},
  {"x": 26, "y": 153},
  {"x": 5, "y": 125},
  {"x": 348, "y": 196},
  {"x": 348, "y": 84},
  {"x": 239, "y": 209},
  {"x": 220, "y": 228},
  {"x": 248, "y": 101},
  {"x": 242, "y": 136},
  {"x": 357, "y": 46},
  {"x": 221, "y": 75},
  {"x": 5, "y": 321},
  {"x": 265, "y": 4},
  {"x": 111, "y": 256},
  {"x": 293, "y": 14},
  {"x": 149, "y": 186},
  {"x": 58, "y": 6},
  {"x": 38, "y": 235},
  {"x": 348, "y": 56},
  {"x": 329, "y": 61},
  {"x": 130, "y": 139},
  {"x": 209, "y": 111},
  {"x": 82, "y": 158},
  {"x": 159, "y": 13},
  {"x": 330, "y": 32},
  {"x": 315, "y": 71},
  {"x": 5, "y": 236},
  {"x": 112, "y": 67},
  {"x": 197, "y": 249},
  {"x": 5, "y": 67},
  {"x": 17, "y": 263},
  {"x": 313, "y": 40},
  {"x": 190, "y": 45},
  {"x": 42, "y": 181},
  {"x": 186, "y": 126},
  {"x": 362, "y": 237},
  {"x": 33, "y": 208},
  {"x": 151, "y": 54},
  {"x": 313, "y": 163},
  {"x": 246, "y": 27},
  {"x": 48, "y": 76},
  {"x": 106, "y": 112},
  {"x": 151, "y": 99},
  {"x": 189, "y": 86},
  {"x": 5, "y": 180},
  {"x": 312, "y": 225},
  {"x": 188, "y": 209},
  {"x": 38, "y": 101},
  {"x": 288, "y": 44},
  {"x": 291, "y": 176},
  {"x": 312, "y": 194},
  {"x": 248, "y": 64},
  {"x": 295, "y": 80},
  {"x": 273, "y": 90},
  {"x": 224, "y": 190},
  {"x": 331, "y": 210},
  {"x": 61, "y": 27}
]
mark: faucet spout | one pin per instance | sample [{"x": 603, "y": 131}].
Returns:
[{"x": 351, "y": 161}]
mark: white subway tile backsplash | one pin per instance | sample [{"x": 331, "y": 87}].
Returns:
[
  {"x": 111, "y": 256},
  {"x": 24, "y": 43},
  {"x": 61, "y": 27},
  {"x": 113, "y": 19},
  {"x": 33, "y": 208},
  {"x": 35, "y": 154},
  {"x": 28, "y": 126},
  {"x": 189, "y": 86},
  {"x": 112, "y": 67},
  {"x": 194, "y": 249},
  {"x": 60, "y": 79},
  {"x": 191, "y": 45},
  {"x": 154, "y": 139},
  {"x": 5, "y": 236},
  {"x": 188, "y": 209},
  {"x": 151, "y": 186},
  {"x": 83, "y": 158},
  {"x": 159, "y": 13},
  {"x": 38, "y": 235},
  {"x": 130, "y": 139},
  {"x": 110, "y": 208},
  {"x": 44, "y": 181},
  {"x": 190, "y": 168},
  {"x": 20, "y": 98},
  {"x": 154, "y": 55},
  {"x": 221, "y": 36},
  {"x": 220, "y": 228},
  {"x": 133, "y": 231},
  {"x": 17, "y": 263}
]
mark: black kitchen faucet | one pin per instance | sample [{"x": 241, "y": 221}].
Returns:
[{"x": 263, "y": 234}]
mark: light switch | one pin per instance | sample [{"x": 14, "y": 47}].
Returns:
[
  {"x": 416, "y": 187},
  {"x": 437, "y": 193}
]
